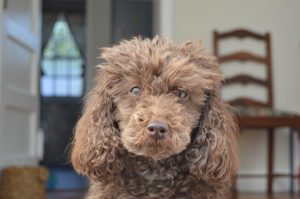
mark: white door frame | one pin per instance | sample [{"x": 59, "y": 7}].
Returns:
[{"x": 163, "y": 18}]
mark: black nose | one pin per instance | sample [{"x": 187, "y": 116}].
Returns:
[{"x": 157, "y": 129}]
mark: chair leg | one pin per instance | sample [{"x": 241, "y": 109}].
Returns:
[
  {"x": 234, "y": 194},
  {"x": 291, "y": 161},
  {"x": 270, "y": 160}
]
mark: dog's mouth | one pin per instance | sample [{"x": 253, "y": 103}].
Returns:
[
  {"x": 156, "y": 152},
  {"x": 156, "y": 147}
]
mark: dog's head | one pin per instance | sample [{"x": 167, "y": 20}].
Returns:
[
  {"x": 158, "y": 93},
  {"x": 148, "y": 100}
]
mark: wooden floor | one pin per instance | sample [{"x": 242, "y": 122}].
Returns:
[
  {"x": 65, "y": 195},
  {"x": 265, "y": 196},
  {"x": 79, "y": 195}
]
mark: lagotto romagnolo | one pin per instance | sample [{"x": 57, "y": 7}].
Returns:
[{"x": 154, "y": 126}]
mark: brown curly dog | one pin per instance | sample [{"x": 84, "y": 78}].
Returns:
[{"x": 154, "y": 126}]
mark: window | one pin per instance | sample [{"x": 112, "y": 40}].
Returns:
[{"x": 62, "y": 64}]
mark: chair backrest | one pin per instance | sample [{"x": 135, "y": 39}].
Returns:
[{"x": 247, "y": 56}]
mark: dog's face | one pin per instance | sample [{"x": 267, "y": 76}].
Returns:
[
  {"x": 158, "y": 96},
  {"x": 158, "y": 110}
]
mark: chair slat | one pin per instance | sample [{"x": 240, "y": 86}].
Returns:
[
  {"x": 242, "y": 56},
  {"x": 263, "y": 60},
  {"x": 245, "y": 79},
  {"x": 247, "y": 102},
  {"x": 241, "y": 33}
]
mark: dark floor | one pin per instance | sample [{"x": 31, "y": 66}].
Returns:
[
  {"x": 65, "y": 195},
  {"x": 79, "y": 195}
]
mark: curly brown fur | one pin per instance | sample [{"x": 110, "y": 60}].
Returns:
[{"x": 113, "y": 146}]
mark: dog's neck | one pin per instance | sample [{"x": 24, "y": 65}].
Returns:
[{"x": 157, "y": 170}]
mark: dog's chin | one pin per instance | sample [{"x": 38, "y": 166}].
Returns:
[
  {"x": 153, "y": 153},
  {"x": 156, "y": 149}
]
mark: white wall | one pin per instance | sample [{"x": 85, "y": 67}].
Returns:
[
  {"x": 195, "y": 20},
  {"x": 163, "y": 17},
  {"x": 98, "y": 23}
]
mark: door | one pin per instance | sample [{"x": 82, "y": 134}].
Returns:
[{"x": 19, "y": 101}]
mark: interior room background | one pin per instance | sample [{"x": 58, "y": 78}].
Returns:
[{"x": 88, "y": 25}]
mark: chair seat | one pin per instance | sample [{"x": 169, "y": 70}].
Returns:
[
  {"x": 257, "y": 117},
  {"x": 261, "y": 112}
]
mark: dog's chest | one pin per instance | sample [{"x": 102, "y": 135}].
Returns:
[
  {"x": 158, "y": 180},
  {"x": 158, "y": 186}
]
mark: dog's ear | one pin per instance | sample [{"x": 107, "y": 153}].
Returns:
[
  {"x": 213, "y": 153},
  {"x": 96, "y": 148}
]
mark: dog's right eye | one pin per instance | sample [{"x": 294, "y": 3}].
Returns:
[
  {"x": 181, "y": 94},
  {"x": 136, "y": 90}
]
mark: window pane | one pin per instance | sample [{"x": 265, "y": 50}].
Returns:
[
  {"x": 62, "y": 62},
  {"x": 76, "y": 87},
  {"x": 62, "y": 66},
  {"x": 76, "y": 67},
  {"x": 46, "y": 86},
  {"x": 49, "y": 67},
  {"x": 61, "y": 86},
  {"x": 61, "y": 42}
]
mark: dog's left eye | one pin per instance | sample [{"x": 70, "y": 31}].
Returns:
[
  {"x": 181, "y": 94},
  {"x": 136, "y": 90}
]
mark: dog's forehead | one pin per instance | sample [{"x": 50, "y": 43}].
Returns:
[
  {"x": 162, "y": 63},
  {"x": 155, "y": 57},
  {"x": 165, "y": 69}
]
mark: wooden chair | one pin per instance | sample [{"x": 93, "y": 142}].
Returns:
[{"x": 252, "y": 112}]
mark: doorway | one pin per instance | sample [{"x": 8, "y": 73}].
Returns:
[{"x": 61, "y": 87}]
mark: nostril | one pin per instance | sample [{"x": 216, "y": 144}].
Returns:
[
  {"x": 150, "y": 128},
  {"x": 163, "y": 130}
]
